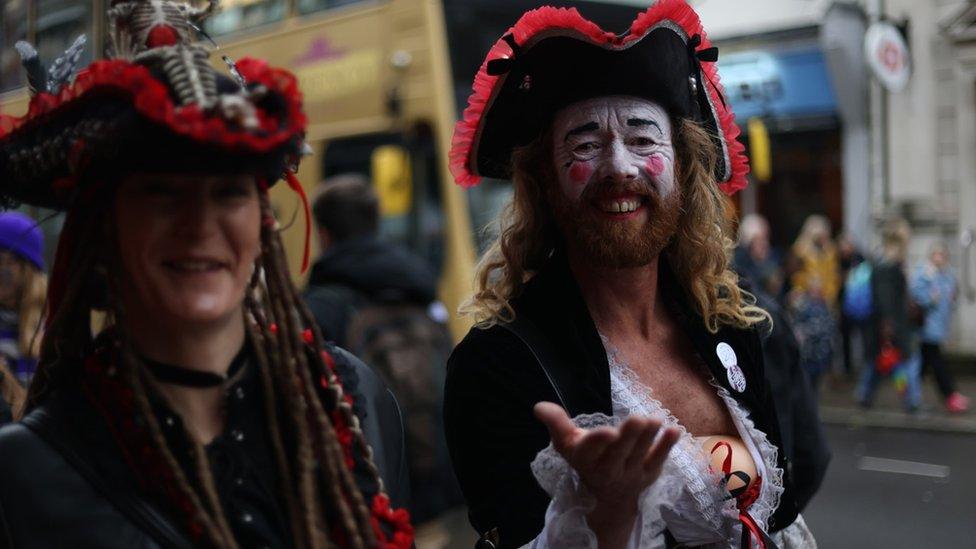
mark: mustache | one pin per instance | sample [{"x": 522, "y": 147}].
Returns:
[{"x": 639, "y": 186}]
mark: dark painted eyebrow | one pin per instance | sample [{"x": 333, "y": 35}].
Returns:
[
  {"x": 638, "y": 122},
  {"x": 588, "y": 127}
]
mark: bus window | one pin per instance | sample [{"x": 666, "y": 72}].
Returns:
[
  {"x": 58, "y": 24},
  {"x": 235, "y": 15},
  {"x": 403, "y": 168},
  {"x": 310, "y": 6},
  {"x": 13, "y": 27}
]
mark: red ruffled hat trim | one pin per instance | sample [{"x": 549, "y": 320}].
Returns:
[
  {"x": 546, "y": 18},
  {"x": 151, "y": 99}
]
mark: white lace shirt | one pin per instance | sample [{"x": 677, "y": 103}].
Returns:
[{"x": 688, "y": 498}]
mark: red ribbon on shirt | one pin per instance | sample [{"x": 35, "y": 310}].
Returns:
[{"x": 744, "y": 499}]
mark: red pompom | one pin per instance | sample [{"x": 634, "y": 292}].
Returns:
[
  {"x": 398, "y": 519},
  {"x": 329, "y": 362},
  {"x": 162, "y": 35},
  {"x": 273, "y": 328}
]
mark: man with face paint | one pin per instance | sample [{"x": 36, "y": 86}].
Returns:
[
  {"x": 612, "y": 393},
  {"x": 614, "y": 163}
]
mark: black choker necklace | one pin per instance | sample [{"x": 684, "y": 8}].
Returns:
[{"x": 186, "y": 377}]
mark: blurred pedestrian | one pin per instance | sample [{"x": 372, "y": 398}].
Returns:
[
  {"x": 888, "y": 335},
  {"x": 816, "y": 262},
  {"x": 23, "y": 286},
  {"x": 849, "y": 258},
  {"x": 379, "y": 301},
  {"x": 755, "y": 258},
  {"x": 813, "y": 296},
  {"x": 934, "y": 289},
  {"x": 815, "y": 329}
]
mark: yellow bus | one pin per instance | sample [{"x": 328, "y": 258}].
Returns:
[{"x": 384, "y": 82}]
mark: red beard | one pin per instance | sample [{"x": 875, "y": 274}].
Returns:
[{"x": 615, "y": 243}]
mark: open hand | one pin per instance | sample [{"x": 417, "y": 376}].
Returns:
[{"x": 614, "y": 463}]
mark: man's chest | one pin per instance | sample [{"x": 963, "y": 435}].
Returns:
[{"x": 679, "y": 380}]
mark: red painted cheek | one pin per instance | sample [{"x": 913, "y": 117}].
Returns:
[
  {"x": 655, "y": 165},
  {"x": 580, "y": 173}
]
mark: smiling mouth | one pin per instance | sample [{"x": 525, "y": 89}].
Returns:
[
  {"x": 193, "y": 266},
  {"x": 620, "y": 205}
]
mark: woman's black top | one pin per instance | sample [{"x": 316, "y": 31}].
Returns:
[
  {"x": 64, "y": 482},
  {"x": 241, "y": 461}
]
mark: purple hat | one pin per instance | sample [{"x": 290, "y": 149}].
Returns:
[{"x": 21, "y": 235}]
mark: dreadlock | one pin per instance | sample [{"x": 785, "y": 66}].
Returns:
[{"x": 308, "y": 414}]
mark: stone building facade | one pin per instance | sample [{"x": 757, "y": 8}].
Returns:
[{"x": 910, "y": 153}]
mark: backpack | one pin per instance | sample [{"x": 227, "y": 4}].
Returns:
[
  {"x": 858, "y": 297},
  {"x": 408, "y": 348}
]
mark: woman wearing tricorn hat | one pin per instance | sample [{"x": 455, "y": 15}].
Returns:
[
  {"x": 613, "y": 392},
  {"x": 208, "y": 412}
]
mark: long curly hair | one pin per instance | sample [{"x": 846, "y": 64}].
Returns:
[{"x": 699, "y": 253}]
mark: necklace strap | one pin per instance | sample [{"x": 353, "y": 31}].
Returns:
[{"x": 188, "y": 377}]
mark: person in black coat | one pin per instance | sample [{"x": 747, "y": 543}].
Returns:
[
  {"x": 205, "y": 409},
  {"x": 379, "y": 300},
  {"x": 615, "y": 366},
  {"x": 890, "y": 334},
  {"x": 358, "y": 266}
]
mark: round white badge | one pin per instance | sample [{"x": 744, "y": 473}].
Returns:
[{"x": 737, "y": 380}]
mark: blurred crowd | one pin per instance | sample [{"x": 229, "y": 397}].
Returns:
[{"x": 860, "y": 315}]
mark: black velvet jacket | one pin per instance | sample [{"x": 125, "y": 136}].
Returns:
[
  {"x": 64, "y": 482},
  {"x": 494, "y": 381}
]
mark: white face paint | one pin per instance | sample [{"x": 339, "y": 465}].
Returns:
[{"x": 617, "y": 142}]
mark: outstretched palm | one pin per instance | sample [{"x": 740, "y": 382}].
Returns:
[{"x": 614, "y": 463}]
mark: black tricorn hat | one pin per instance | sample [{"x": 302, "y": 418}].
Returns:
[
  {"x": 553, "y": 57},
  {"x": 155, "y": 104}
]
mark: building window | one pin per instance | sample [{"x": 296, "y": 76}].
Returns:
[
  {"x": 235, "y": 15},
  {"x": 58, "y": 24},
  {"x": 310, "y": 6},
  {"x": 13, "y": 27}
]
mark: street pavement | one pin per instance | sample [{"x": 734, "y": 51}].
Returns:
[
  {"x": 896, "y": 488},
  {"x": 897, "y": 480},
  {"x": 838, "y": 407}
]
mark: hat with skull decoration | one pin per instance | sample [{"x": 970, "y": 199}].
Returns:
[
  {"x": 554, "y": 57},
  {"x": 154, "y": 104}
]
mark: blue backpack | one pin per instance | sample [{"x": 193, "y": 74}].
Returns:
[{"x": 858, "y": 302}]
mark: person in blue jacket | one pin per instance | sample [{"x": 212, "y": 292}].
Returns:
[{"x": 934, "y": 289}]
